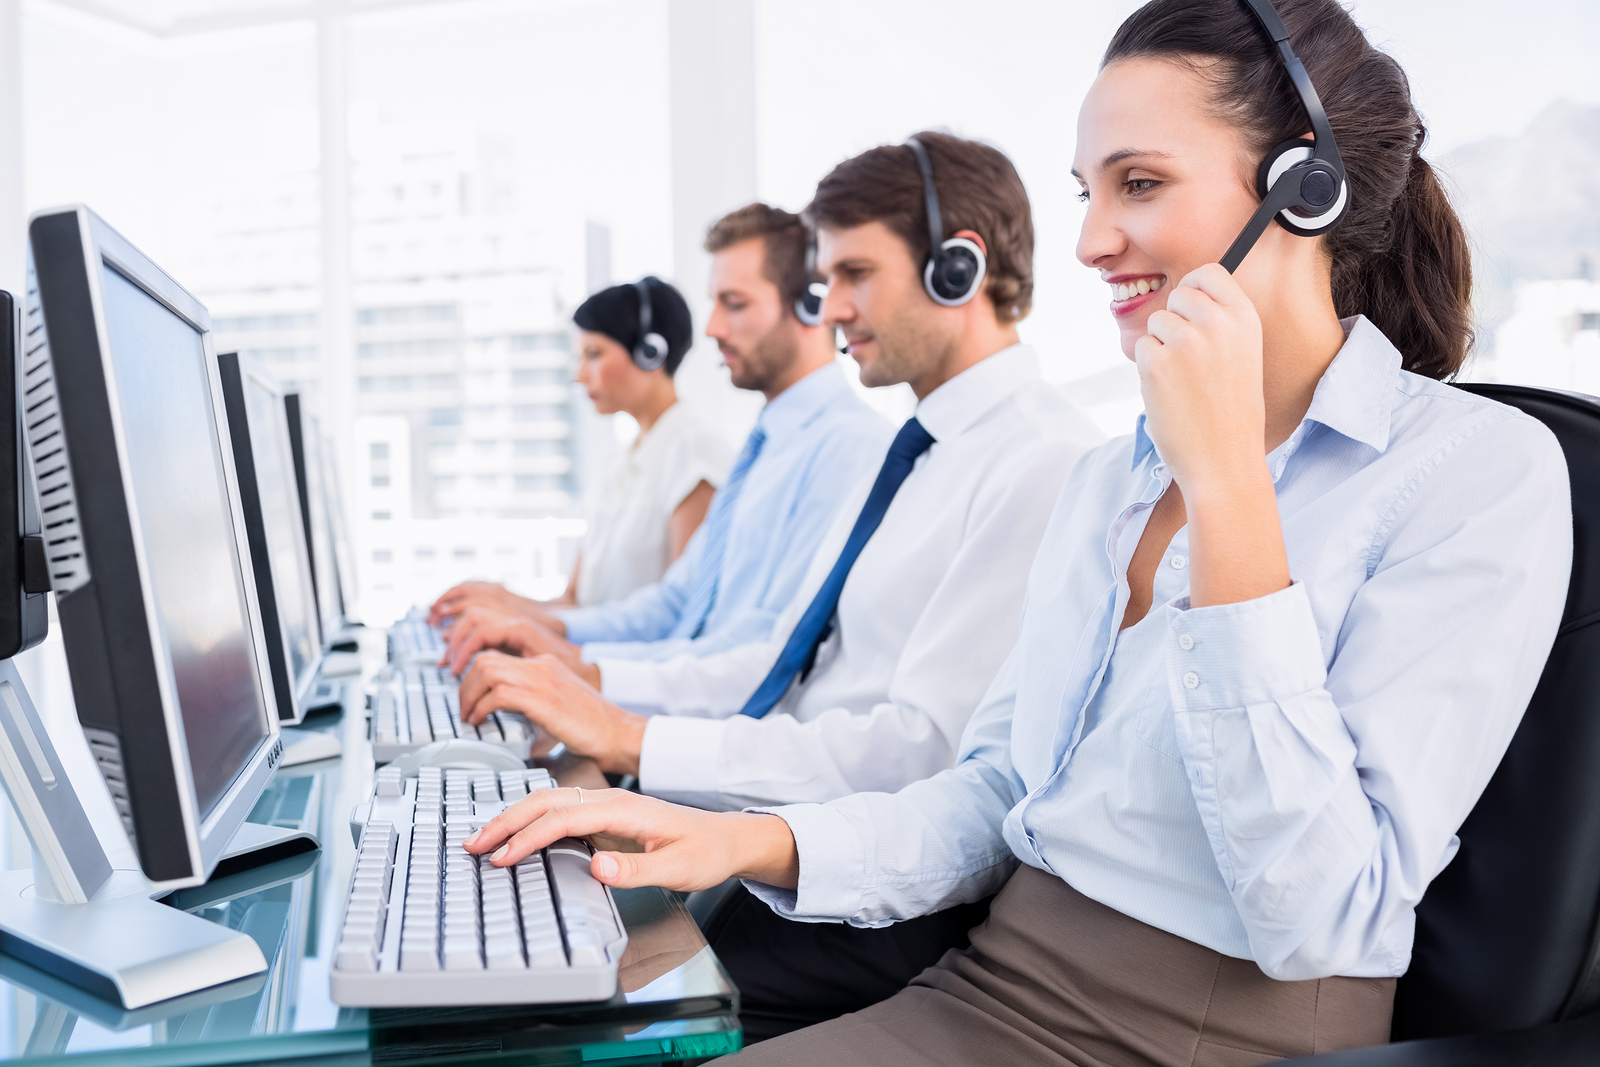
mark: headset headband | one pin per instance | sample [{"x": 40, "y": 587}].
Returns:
[
  {"x": 929, "y": 193},
  {"x": 644, "y": 308},
  {"x": 1326, "y": 148},
  {"x": 1303, "y": 187}
]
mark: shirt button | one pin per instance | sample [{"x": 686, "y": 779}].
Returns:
[
  {"x": 1185, "y": 642},
  {"x": 1191, "y": 680},
  {"x": 1179, "y": 562}
]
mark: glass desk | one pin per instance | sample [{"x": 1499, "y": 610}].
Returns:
[{"x": 676, "y": 1002}]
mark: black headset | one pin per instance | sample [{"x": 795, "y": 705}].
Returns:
[
  {"x": 1301, "y": 183},
  {"x": 808, "y": 305},
  {"x": 651, "y": 351},
  {"x": 956, "y": 267}
]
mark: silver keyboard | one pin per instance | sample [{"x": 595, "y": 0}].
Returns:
[
  {"x": 416, "y": 706},
  {"x": 412, "y": 640},
  {"x": 429, "y": 924}
]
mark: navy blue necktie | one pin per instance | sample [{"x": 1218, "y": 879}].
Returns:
[{"x": 801, "y": 649}]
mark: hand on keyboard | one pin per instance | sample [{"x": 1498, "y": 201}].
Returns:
[
  {"x": 494, "y": 596},
  {"x": 477, "y": 629},
  {"x": 556, "y": 700},
  {"x": 685, "y": 848},
  {"x": 429, "y": 924}
]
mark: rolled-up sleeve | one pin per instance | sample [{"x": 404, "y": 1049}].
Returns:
[
  {"x": 871, "y": 859},
  {"x": 1332, "y": 769}
]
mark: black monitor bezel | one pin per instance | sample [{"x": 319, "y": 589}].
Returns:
[
  {"x": 123, "y": 687},
  {"x": 293, "y": 693}
]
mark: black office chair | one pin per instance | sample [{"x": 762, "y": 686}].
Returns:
[{"x": 1506, "y": 968}]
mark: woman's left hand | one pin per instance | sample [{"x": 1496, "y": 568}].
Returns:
[{"x": 1200, "y": 373}]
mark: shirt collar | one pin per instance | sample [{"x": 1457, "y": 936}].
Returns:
[
  {"x": 788, "y": 412},
  {"x": 1353, "y": 398},
  {"x": 951, "y": 409}
]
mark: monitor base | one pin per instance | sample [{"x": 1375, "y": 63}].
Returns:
[{"x": 121, "y": 945}]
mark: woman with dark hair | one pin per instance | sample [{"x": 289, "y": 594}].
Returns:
[
  {"x": 1275, "y": 642},
  {"x": 656, "y": 493}
]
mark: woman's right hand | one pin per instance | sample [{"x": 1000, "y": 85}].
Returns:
[
  {"x": 478, "y": 628},
  {"x": 495, "y": 597},
  {"x": 684, "y": 848}
]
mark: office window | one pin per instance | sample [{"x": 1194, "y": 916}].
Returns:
[
  {"x": 538, "y": 412},
  {"x": 283, "y": 353},
  {"x": 1589, "y": 320},
  {"x": 381, "y": 516},
  {"x": 464, "y": 553},
  {"x": 380, "y": 481},
  {"x": 379, "y": 450},
  {"x": 485, "y": 447},
  {"x": 253, "y": 323},
  {"x": 525, "y": 448},
  {"x": 443, "y": 381},
  {"x": 441, "y": 448},
  {"x": 423, "y": 553},
  {"x": 527, "y": 342},
  {"x": 382, "y": 555},
  {"x": 523, "y": 379},
  {"x": 418, "y": 346},
  {"x": 444, "y": 481},
  {"x": 407, "y": 314},
  {"x": 444, "y": 416},
  {"x": 540, "y": 483}
]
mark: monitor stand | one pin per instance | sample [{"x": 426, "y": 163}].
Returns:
[{"x": 76, "y": 917}]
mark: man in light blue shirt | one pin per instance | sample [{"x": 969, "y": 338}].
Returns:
[{"x": 812, "y": 443}]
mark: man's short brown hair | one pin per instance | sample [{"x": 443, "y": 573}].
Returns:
[
  {"x": 785, "y": 239},
  {"x": 978, "y": 188}
]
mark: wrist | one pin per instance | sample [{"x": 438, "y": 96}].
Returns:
[
  {"x": 1224, "y": 482},
  {"x": 627, "y": 742},
  {"x": 767, "y": 851}
]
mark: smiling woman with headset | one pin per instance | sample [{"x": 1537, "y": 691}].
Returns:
[
  {"x": 1275, "y": 641},
  {"x": 631, "y": 339}
]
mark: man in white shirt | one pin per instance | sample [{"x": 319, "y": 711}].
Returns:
[{"x": 913, "y": 598}]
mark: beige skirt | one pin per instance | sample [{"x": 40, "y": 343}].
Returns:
[{"x": 1055, "y": 978}]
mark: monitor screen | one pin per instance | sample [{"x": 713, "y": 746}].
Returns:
[
  {"x": 321, "y": 543},
  {"x": 186, "y": 521},
  {"x": 280, "y": 513}
]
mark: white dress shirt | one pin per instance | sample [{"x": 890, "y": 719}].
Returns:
[
  {"x": 628, "y": 543},
  {"x": 925, "y": 618},
  {"x": 1279, "y": 779}
]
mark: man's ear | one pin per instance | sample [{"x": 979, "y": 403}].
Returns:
[{"x": 972, "y": 236}]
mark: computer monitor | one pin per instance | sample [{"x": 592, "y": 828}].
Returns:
[
  {"x": 24, "y": 579},
  {"x": 270, "y": 495},
  {"x": 145, "y": 537},
  {"x": 310, "y": 475},
  {"x": 344, "y": 563}
]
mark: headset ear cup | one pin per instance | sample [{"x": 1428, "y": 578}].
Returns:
[
  {"x": 651, "y": 353},
  {"x": 1276, "y": 166},
  {"x": 808, "y": 307},
  {"x": 955, "y": 273},
  {"x": 1279, "y": 160}
]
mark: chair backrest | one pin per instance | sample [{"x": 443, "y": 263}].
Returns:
[{"x": 1507, "y": 934}]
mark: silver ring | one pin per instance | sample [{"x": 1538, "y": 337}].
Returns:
[{"x": 579, "y": 788}]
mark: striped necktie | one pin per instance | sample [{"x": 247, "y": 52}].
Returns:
[
  {"x": 693, "y": 619},
  {"x": 801, "y": 649}
]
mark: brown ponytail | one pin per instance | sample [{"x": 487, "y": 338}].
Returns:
[{"x": 1400, "y": 256}]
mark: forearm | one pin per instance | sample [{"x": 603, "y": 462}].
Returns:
[
  {"x": 741, "y": 762},
  {"x": 873, "y": 858},
  {"x": 1236, "y": 549}
]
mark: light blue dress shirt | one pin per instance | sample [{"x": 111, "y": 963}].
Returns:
[
  {"x": 821, "y": 440},
  {"x": 1278, "y": 779}
]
